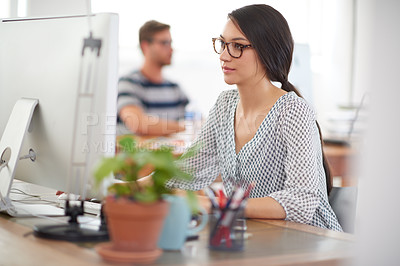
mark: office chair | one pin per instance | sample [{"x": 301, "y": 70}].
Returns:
[{"x": 343, "y": 201}]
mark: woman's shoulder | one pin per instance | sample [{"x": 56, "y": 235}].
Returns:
[
  {"x": 227, "y": 98},
  {"x": 228, "y": 95},
  {"x": 291, "y": 103}
]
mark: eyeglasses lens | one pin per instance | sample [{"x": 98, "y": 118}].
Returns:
[
  {"x": 233, "y": 48},
  {"x": 219, "y": 46}
]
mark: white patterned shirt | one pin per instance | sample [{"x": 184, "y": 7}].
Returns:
[{"x": 283, "y": 159}]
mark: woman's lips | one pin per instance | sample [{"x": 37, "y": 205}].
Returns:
[{"x": 227, "y": 70}]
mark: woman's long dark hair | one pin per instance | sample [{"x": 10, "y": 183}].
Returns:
[{"x": 269, "y": 34}]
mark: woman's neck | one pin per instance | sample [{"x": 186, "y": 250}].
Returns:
[{"x": 258, "y": 97}]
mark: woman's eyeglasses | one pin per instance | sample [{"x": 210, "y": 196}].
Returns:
[{"x": 234, "y": 49}]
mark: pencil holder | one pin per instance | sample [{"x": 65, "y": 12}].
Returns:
[{"x": 227, "y": 229}]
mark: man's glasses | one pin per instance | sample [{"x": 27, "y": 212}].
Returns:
[
  {"x": 165, "y": 43},
  {"x": 234, "y": 49}
]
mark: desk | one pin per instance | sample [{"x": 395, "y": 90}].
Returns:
[
  {"x": 341, "y": 159},
  {"x": 272, "y": 242}
]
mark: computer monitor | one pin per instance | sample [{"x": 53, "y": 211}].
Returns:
[{"x": 65, "y": 70}]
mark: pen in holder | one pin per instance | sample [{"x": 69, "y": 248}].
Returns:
[{"x": 227, "y": 228}]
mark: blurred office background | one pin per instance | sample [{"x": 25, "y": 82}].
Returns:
[{"x": 328, "y": 36}]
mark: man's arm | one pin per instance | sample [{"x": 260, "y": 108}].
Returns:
[{"x": 140, "y": 123}]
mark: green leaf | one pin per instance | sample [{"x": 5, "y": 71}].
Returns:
[
  {"x": 131, "y": 159},
  {"x": 128, "y": 145},
  {"x": 147, "y": 195},
  {"x": 120, "y": 189},
  {"x": 192, "y": 202},
  {"x": 192, "y": 151},
  {"x": 106, "y": 167}
]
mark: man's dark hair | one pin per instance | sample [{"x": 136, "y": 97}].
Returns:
[{"x": 150, "y": 28}]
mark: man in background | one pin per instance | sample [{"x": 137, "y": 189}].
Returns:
[{"x": 149, "y": 104}]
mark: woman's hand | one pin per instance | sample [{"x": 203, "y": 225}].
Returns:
[{"x": 205, "y": 203}]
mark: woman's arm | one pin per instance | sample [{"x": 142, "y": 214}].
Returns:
[
  {"x": 264, "y": 208},
  {"x": 261, "y": 208},
  {"x": 304, "y": 174}
]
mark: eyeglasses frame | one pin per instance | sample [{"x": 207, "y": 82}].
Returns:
[
  {"x": 164, "y": 43},
  {"x": 226, "y": 44}
]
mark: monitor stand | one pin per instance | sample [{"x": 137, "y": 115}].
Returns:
[
  {"x": 10, "y": 148},
  {"x": 73, "y": 231}
]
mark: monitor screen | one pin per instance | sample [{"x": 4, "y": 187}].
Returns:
[{"x": 75, "y": 83}]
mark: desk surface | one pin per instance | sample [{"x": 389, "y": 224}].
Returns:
[
  {"x": 271, "y": 242},
  {"x": 341, "y": 159}
]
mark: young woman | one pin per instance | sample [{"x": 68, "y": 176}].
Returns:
[{"x": 260, "y": 133}]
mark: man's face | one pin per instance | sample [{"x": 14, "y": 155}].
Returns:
[{"x": 160, "y": 49}]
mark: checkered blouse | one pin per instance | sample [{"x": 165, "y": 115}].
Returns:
[{"x": 284, "y": 158}]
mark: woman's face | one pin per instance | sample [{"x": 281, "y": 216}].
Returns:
[{"x": 244, "y": 70}]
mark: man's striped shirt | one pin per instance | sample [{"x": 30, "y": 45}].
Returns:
[{"x": 165, "y": 100}]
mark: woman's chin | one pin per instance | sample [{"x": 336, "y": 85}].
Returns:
[{"x": 229, "y": 81}]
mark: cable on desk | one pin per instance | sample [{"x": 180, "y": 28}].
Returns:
[{"x": 18, "y": 191}]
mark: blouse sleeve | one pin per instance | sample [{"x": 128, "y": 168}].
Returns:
[
  {"x": 303, "y": 164},
  {"x": 204, "y": 165}
]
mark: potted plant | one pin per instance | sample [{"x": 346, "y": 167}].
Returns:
[{"x": 135, "y": 210}]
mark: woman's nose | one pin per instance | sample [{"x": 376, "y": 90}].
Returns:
[{"x": 225, "y": 56}]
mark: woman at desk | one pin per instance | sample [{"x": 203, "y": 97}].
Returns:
[{"x": 260, "y": 133}]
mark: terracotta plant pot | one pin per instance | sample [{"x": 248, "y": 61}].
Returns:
[{"x": 135, "y": 228}]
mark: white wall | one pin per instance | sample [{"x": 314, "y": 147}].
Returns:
[
  {"x": 37, "y": 8},
  {"x": 364, "y": 23},
  {"x": 4, "y": 8}
]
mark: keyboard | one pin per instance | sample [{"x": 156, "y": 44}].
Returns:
[
  {"x": 92, "y": 207},
  {"x": 34, "y": 210}
]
